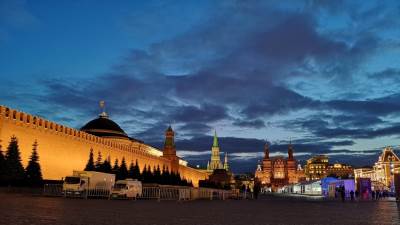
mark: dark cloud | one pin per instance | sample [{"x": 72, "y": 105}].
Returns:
[{"x": 250, "y": 123}]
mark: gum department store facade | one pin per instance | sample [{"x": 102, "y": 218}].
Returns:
[{"x": 63, "y": 149}]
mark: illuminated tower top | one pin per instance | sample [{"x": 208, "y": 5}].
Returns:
[
  {"x": 215, "y": 141},
  {"x": 226, "y": 165}
]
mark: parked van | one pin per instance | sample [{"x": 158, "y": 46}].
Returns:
[{"x": 129, "y": 188}]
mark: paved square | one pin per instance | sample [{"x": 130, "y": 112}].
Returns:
[{"x": 18, "y": 209}]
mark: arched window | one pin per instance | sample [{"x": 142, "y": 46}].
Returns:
[
  {"x": 21, "y": 117},
  {"x": 28, "y": 119},
  {"x": 46, "y": 124},
  {"x": 34, "y": 120},
  {"x": 14, "y": 115}
]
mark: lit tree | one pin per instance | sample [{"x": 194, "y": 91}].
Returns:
[
  {"x": 15, "y": 172},
  {"x": 33, "y": 171},
  {"x": 123, "y": 171},
  {"x": 90, "y": 164}
]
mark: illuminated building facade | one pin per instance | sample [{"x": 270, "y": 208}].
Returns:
[
  {"x": 62, "y": 149},
  {"x": 382, "y": 173},
  {"x": 340, "y": 170},
  {"x": 278, "y": 171},
  {"x": 316, "y": 167}
]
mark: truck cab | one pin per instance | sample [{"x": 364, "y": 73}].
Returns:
[
  {"x": 75, "y": 185},
  {"x": 127, "y": 189}
]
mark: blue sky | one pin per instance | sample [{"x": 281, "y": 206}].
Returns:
[{"x": 325, "y": 74}]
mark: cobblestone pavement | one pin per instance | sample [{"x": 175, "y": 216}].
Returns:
[{"x": 20, "y": 209}]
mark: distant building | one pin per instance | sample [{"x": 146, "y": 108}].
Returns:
[
  {"x": 382, "y": 173},
  {"x": 277, "y": 172},
  {"x": 340, "y": 170},
  {"x": 316, "y": 167}
]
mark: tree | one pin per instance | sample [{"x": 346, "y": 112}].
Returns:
[
  {"x": 145, "y": 175},
  {"x": 131, "y": 171},
  {"x": 106, "y": 166},
  {"x": 90, "y": 164},
  {"x": 99, "y": 163},
  {"x": 15, "y": 173},
  {"x": 33, "y": 171},
  {"x": 115, "y": 168},
  {"x": 150, "y": 177},
  {"x": 123, "y": 171},
  {"x": 136, "y": 173},
  {"x": 157, "y": 174},
  {"x": 2, "y": 167},
  {"x": 165, "y": 176}
]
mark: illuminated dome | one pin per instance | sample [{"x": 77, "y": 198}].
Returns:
[{"x": 104, "y": 127}]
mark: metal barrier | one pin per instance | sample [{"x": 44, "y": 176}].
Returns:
[
  {"x": 53, "y": 190},
  {"x": 150, "y": 193},
  {"x": 160, "y": 192}
]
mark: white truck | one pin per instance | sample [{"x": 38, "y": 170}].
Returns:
[
  {"x": 129, "y": 188},
  {"x": 82, "y": 183}
]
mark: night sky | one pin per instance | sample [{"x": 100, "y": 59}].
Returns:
[{"x": 325, "y": 74}]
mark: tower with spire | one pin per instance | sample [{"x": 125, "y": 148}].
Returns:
[
  {"x": 215, "y": 162},
  {"x": 291, "y": 165},
  {"x": 169, "y": 150},
  {"x": 226, "y": 165}
]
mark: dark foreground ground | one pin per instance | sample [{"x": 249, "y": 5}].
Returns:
[{"x": 22, "y": 209}]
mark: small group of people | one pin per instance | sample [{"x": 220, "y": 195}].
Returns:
[
  {"x": 342, "y": 192},
  {"x": 378, "y": 194}
]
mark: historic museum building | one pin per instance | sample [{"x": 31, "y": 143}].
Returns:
[
  {"x": 278, "y": 171},
  {"x": 62, "y": 149}
]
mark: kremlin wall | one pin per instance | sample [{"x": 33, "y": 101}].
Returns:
[{"x": 62, "y": 149}]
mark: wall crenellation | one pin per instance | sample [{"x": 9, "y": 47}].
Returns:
[{"x": 41, "y": 123}]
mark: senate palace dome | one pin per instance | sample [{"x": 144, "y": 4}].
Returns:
[{"x": 105, "y": 128}]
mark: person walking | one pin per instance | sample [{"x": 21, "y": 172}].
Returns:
[
  {"x": 352, "y": 195},
  {"x": 257, "y": 189},
  {"x": 342, "y": 193}
]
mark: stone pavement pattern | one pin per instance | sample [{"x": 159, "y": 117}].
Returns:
[{"x": 19, "y": 209}]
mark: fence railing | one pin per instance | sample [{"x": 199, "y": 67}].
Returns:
[{"x": 160, "y": 192}]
